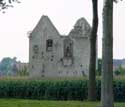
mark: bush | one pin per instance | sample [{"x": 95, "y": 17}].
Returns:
[{"x": 55, "y": 90}]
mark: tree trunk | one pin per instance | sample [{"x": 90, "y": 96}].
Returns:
[
  {"x": 107, "y": 55},
  {"x": 92, "y": 66}
]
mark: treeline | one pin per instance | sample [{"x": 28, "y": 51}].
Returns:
[
  {"x": 12, "y": 67},
  {"x": 118, "y": 67},
  {"x": 7, "y": 66}
]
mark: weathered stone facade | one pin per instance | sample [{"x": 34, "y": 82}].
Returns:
[{"x": 54, "y": 55}]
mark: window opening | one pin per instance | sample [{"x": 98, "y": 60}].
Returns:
[{"x": 49, "y": 45}]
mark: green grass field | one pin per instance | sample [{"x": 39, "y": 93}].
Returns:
[{"x": 38, "y": 103}]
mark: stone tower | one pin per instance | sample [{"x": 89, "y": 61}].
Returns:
[{"x": 55, "y": 55}]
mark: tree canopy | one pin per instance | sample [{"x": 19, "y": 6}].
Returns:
[
  {"x": 4, "y": 4},
  {"x": 6, "y": 65}
]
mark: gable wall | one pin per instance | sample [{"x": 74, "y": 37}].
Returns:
[{"x": 52, "y": 64}]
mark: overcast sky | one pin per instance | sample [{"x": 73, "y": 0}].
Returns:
[{"x": 18, "y": 21}]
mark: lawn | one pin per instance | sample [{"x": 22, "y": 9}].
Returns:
[{"x": 38, "y": 103}]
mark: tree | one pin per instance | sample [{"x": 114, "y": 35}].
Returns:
[
  {"x": 4, "y": 4},
  {"x": 92, "y": 66},
  {"x": 107, "y": 55},
  {"x": 120, "y": 71},
  {"x": 8, "y": 66},
  {"x": 5, "y": 65}
]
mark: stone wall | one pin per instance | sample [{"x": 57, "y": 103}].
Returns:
[{"x": 54, "y": 55}]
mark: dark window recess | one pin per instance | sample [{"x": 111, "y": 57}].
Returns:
[
  {"x": 35, "y": 49},
  {"x": 42, "y": 71},
  {"x": 32, "y": 66},
  {"x": 68, "y": 48},
  {"x": 68, "y": 52},
  {"x": 33, "y": 57},
  {"x": 61, "y": 59},
  {"x": 42, "y": 55},
  {"x": 49, "y": 45}
]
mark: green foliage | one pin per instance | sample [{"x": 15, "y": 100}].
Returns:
[
  {"x": 55, "y": 90},
  {"x": 119, "y": 90},
  {"x": 7, "y": 65},
  {"x": 120, "y": 71},
  {"x": 23, "y": 72},
  {"x": 117, "y": 72}
]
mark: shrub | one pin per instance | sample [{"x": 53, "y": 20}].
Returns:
[{"x": 55, "y": 90}]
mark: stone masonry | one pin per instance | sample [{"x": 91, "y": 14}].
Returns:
[{"x": 55, "y": 55}]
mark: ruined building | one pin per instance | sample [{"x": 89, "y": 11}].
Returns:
[{"x": 55, "y": 55}]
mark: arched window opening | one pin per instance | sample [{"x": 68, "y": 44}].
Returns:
[{"x": 68, "y": 48}]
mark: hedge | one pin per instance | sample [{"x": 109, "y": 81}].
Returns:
[{"x": 55, "y": 90}]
